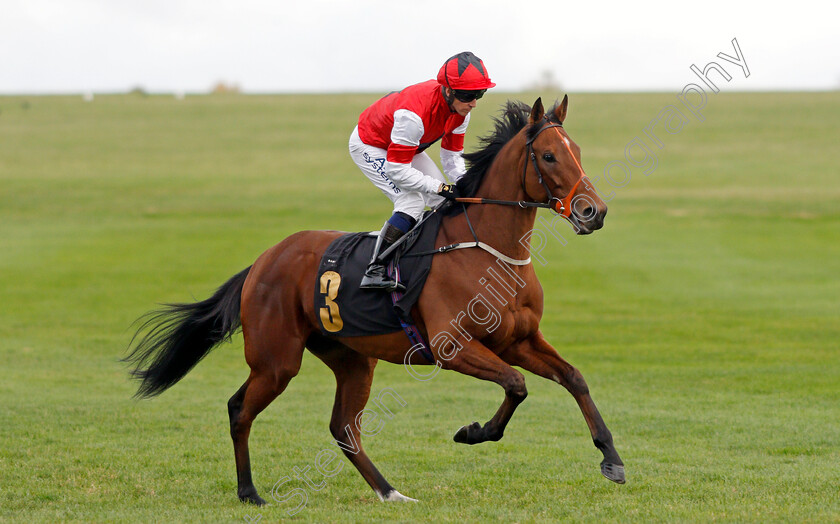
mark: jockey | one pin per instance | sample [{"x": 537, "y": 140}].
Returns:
[{"x": 390, "y": 140}]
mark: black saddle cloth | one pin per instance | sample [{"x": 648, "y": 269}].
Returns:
[{"x": 348, "y": 311}]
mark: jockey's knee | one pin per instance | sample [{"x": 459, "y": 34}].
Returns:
[
  {"x": 433, "y": 200},
  {"x": 411, "y": 203}
]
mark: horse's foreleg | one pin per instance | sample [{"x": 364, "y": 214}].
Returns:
[
  {"x": 537, "y": 355},
  {"x": 475, "y": 360},
  {"x": 353, "y": 376}
]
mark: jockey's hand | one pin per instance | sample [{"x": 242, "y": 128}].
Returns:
[{"x": 448, "y": 191}]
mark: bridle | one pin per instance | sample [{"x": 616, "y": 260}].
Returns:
[{"x": 561, "y": 206}]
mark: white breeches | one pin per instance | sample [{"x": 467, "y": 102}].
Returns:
[{"x": 371, "y": 160}]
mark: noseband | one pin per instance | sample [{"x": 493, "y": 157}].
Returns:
[{"x": 562, "y": 206}]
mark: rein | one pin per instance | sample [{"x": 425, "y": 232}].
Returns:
[
  {"x": 561, "y": 206},
  {"x": 464, "y": 245}
]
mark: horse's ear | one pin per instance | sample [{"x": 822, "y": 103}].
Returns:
[
  {"x": 560, "y": 112},
  {"x": 537, "y": 112}
]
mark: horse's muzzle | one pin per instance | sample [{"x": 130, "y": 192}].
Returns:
[{"x": 589, "y": 220}]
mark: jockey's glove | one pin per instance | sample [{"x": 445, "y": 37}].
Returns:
[{"x": 448, "y": 191}]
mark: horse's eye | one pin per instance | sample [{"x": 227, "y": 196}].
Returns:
[{"x": 548, "y": 157}]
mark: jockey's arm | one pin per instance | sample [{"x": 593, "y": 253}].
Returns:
[
  {"x": 453, "y": 164},
  {"x": 405, "y": 139},
  {"x": 451, "y": 149},
  {"x": 408, "y": 178}
]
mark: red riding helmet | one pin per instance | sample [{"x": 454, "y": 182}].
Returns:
[{"x": 466, "y": 72}]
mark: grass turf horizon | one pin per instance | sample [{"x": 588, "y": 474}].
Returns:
[{"x": 703, "y": 317}]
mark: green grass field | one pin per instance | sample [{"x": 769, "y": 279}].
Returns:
[{"x": 704, "y": 317}]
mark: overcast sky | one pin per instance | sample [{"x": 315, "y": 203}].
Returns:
[{"x": 49, "y": 46}]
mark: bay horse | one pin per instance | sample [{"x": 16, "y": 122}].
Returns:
[{"x": 528, "y": 159}]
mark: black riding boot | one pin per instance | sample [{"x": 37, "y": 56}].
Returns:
[{"x": 375, "y": 276}]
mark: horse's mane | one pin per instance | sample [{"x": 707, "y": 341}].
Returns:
[{"x": 513, "y": 118}]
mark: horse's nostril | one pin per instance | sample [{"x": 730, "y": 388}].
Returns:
[
  {"x": 592, "y": 217},
  {"x": 587, "y": 214}
]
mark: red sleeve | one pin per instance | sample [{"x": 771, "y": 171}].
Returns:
[
  {"x": 452, "y": 142},
  {"x": 402, "y": 154}
]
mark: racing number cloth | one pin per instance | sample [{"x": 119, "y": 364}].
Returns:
[{"x": 345, "y": 310}]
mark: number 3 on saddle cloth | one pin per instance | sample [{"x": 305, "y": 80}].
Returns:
[{"x": 348, "y": 311}]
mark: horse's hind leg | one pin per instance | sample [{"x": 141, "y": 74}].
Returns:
[
  {"x": 537, "y": 355},
  {"x": 353, "y": 376},
  {"x": 271, "y": 372}
]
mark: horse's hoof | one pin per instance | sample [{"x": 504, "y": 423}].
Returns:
[
  {"x": 463, "y": 435},
  {"x": 614, "y": 472},
  {"x": 251, "y": 497},
  {"x": 396, "y": 496}
]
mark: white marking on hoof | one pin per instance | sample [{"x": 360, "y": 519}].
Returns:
[{"x": 395, "y": 496}]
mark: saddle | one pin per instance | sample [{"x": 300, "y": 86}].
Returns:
[{"x": 345, "y": 310}]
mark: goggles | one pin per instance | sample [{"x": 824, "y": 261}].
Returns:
[{"x": 468, "y": 96}]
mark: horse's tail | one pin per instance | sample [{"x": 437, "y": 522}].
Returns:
[{"x": 180, "y": 335}]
